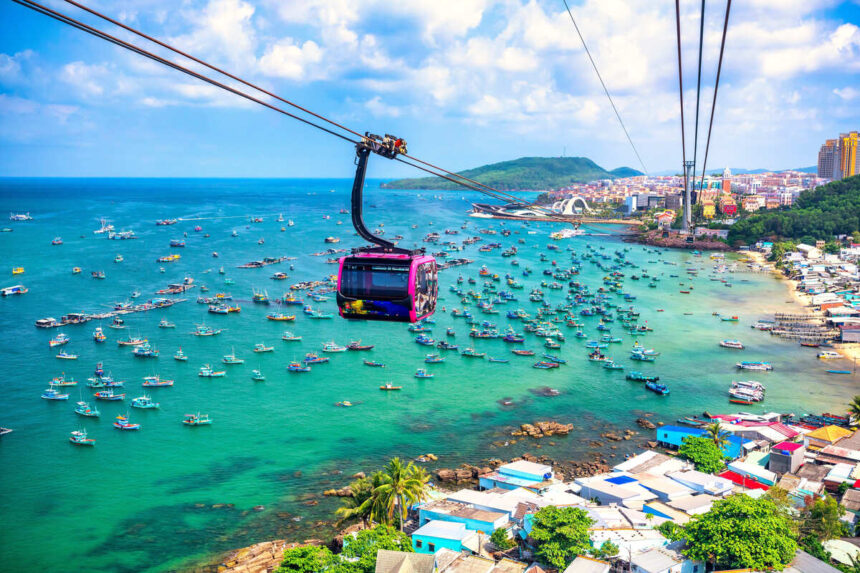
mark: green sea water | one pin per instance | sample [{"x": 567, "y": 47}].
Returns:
[{"x": 143, "y": 501}]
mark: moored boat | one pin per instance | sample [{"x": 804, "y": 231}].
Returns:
[
  {"x": 79, "y": 438},
  {"x": 122, "y": 423},
  {"x": 53, "y": 394},
  {"x": 180, "y": 356},
  {"x": 657, "y": 388},
  {"x": 737, "y": 344},
  {"x": 156, "y": 382},
  {"x": 389, "y": 387},
  {"x": 108, "y": 395},
  {"x": 257, "y": 376},
  {"x": 197, "y": 419},
  {"x": 206, "y": 371},
  {"x": 298, "y": 367},
  {"x": 144, "y": 402},
  {"x": 760, "y": 366},
  {"x": 260, "y": 347}
]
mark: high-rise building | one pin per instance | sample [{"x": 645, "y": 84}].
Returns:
[
  {"x": 828, "y": 160},
  {"x": 839, "y": 158},
  {"x": 848, "y": 160}
]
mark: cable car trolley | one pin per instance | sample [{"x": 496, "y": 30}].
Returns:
[{"x": 383, "y": 282}]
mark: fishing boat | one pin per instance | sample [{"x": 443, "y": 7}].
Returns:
[
  {"x": 61, "y": 380},
  {"x": 546, "y": 365},
  {"x": 344, "y": 404},
  {"x": 98, "y": 275},
  {"x": 433, "y": 359},
  {"x": 145, "y": 350},
  {"x": 732, "y": 344},
  {"x": 117, "y": 323},
  {"x": 207, "y": 372},
  {"x": 424, "y": 340},
  {"x": 52, "y": 394},
  {"x": 99, "y": 335},
  {"x": 596, "y": 356},
  {"x": 280, "y": 317},
  {"x": 59, "y": 340},
  {"x": 232, "y": 359},
  {"x": 555, "y": 359},
  {"x": 657, "y": 388},
  {"x": 166, "y": 324},
  {"x": 839, "y": 372},
  {"x": 389, "y": 387},
  {"x": 13, "y": 290},
  {"x": 17, "y": 270},
  {"x": 472, "y": 353},
  {"x": 197, "y": 419},
  {"x": 79, "y": 438},
  {"x": 144, "y": 402},
  {"x": 550, "y": 343},
  {"x": 313, "y": 358},
  {"x": 374, "y": 364},
  {"x": 156, "y": 382},
  {"x": 57, "y": 241},
  {"x": 612, "y": 365},
  {"x": 810, "y": 344},
  {"x": 132, "y": 341},
  {"x": 828, "y": 355},
  {"x": 122, "y": 423},
  {"x": 759, "y": 366},
  {"x": 260, "y": 347},
  {"x": 298, "y": 367},
  {"x": 118, "y": 259},
  {"x": 444, "y": 345},
  {"x": 356, "y": 345},
  {"x": 290, "y": 337},
  {"x": 203, "y": 330},
  {"x": 177, "y": 243},
  {"x": 108, "y": 395},
  {"x": 642, "y": 357},
  {"x": 260, "y": 297},
  {"x": 332, "y": 347},
  {"x": 257, "y": 376},
  {"x": 636, "y": 376},
  {"x": 729, "y": 318},
  {"x": 63, "y": 355},
  {"x": 180, "y": 355},
  {"x": 422, "y": 373},
  {"x": 521, "y": 352}
]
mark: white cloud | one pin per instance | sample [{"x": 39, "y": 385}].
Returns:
[
  {"x": 222, "y": 32},
  {"x": 287, "y": 59},
  {"x": 87, "y": 79},
  {"x": 847, "y": 93}
]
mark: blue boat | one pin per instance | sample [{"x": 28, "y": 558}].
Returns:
[
  {"x": 421, "y": 373},
  {"x": 640, "y": 377},
  {"x": 500, "y": 360},
  {"x": 297, "y": 367},
  {"x": 839, "y": 372},
  {"x": 661, "y": 389},
  {"x": 555, "y": 359},
  {"x": 433, "y": 359}
]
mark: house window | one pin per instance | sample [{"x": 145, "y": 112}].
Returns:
[
  {"x": 419, "y": 543},
  {"x": 431, "y": 547}
]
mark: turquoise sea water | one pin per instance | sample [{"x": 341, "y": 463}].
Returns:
[{"x": 142, "y": 501}]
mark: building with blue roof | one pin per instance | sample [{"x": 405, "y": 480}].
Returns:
[{"x": 673, "y": 436}]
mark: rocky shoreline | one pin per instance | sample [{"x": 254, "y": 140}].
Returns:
[{"x": 656, "y": 239}]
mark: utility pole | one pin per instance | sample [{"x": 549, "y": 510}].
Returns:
[{"x": 689, "y": 170}]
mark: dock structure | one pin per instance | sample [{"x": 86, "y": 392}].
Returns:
[{"x": 83, "y": 317}]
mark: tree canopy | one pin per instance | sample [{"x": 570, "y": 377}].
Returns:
[
  {"x": 561, "y": 533},
  {"x": 368, "y": 542},
  {"x": 308, "y": 559},
  {"x": 703, "y": 452},
  {"x": 820, "y": 213},
  {"x": 740, "y": 532}
]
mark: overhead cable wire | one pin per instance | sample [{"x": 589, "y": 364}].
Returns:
[
  {"x": 716, "y": 87},
  {"x": 698, "y": 89},
  {"x": 681, "y": 94},
  {"x": 448, "y": 175},
  {"x": 131, "y": 47},
  {"x": 605, "y": 89},
  {"x": 254, "y": 86}
]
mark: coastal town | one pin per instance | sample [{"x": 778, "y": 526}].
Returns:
[{"x": 533, "y": 515}]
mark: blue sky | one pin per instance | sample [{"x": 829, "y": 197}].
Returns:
[{"x": 466, "y": 82}]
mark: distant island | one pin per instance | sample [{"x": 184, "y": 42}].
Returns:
[{"x": 524, "y": 174}]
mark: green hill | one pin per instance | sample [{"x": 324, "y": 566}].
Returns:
[
  {"x": 820, "y": 213},
  {"x": 524, "y": 174}
]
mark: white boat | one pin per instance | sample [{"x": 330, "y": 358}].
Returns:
[
  {"x": 732, "y": 344},
  {"x": 105, "y": 227},
  {"x": 828, "y": 355}
]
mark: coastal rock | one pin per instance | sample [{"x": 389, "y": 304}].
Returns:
[
  {"x": 543, "y": 429},
  {"x": 258, "y": 558},
  {"x": 647, "y": 424},
  {"x": 611, "y": 436},
  {"x": 342, "y": 492},
  {"x": 445, "y": 475},
  {"x": 462, "y": 474},
  {"x": 359, "y": 475}
]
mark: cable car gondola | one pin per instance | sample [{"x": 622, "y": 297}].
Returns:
[{"x": 383, "y": 282}]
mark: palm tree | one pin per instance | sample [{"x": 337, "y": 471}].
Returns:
[
  {"x": 359, "y": 505},
  {"x": 401, "y": 485},
  {"x": 715, "y": 433},
  {"x": 854, "y": 408}
]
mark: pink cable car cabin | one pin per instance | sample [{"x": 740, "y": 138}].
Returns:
[
  {"x": 383, "y": 286},
  {"x": 383, "y": 282}
]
